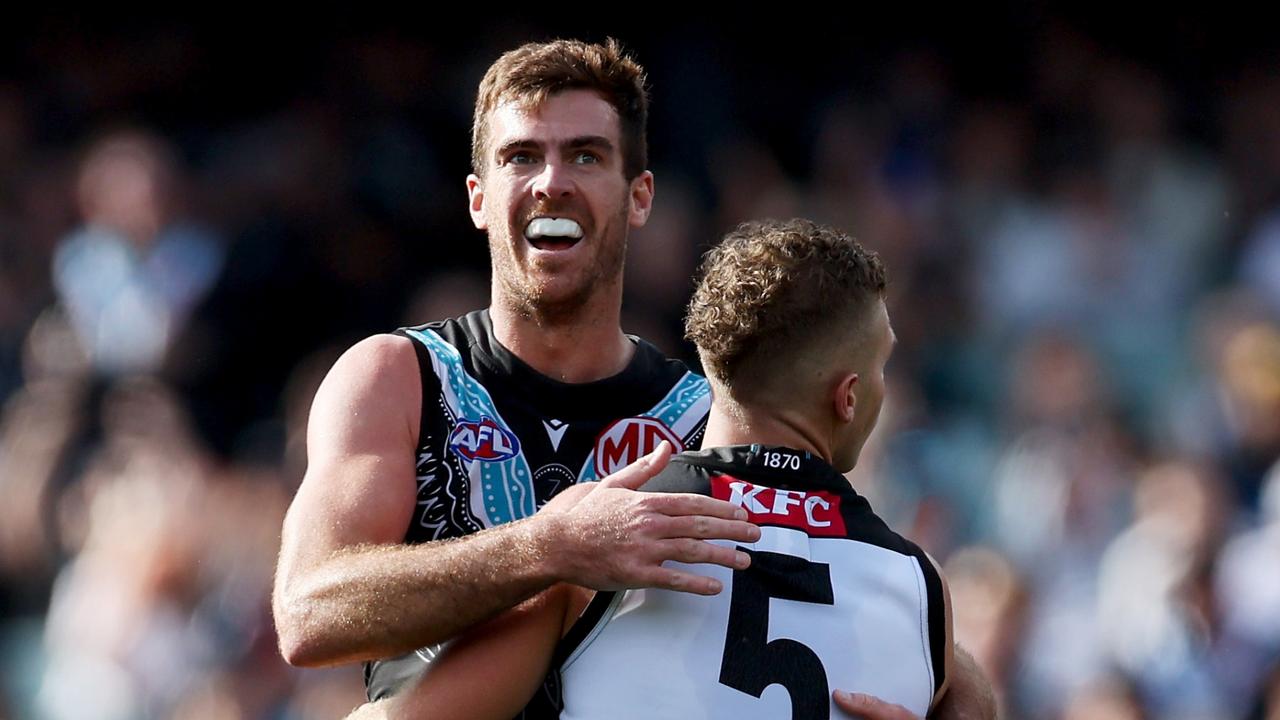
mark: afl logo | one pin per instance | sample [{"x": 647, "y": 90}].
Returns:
[
  {"x": 630, "y": 439},
  {"x": 486, "y": 440}
]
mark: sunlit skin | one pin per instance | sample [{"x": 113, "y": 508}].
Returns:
[
  {"x": 832, "y": 416},
  {"x": 865, "y": 391},
  {"x": 561, "y": 159}
]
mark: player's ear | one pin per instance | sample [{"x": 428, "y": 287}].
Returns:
[
  {"x": 475, "y": 205},
  {"x": 641, "y": 199},
  {"x": 845, "y": 399}
]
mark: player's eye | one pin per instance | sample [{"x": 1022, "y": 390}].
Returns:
[
  {"x": 521, "y": 157},
  {"x": 585, "y": 157}
]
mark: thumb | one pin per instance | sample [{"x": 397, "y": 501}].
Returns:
[{"x": 638, "y": 473}]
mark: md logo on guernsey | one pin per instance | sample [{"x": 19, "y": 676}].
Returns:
[
  {"x": 486, "y": 440},
  {"x": 630, "y": 439}
]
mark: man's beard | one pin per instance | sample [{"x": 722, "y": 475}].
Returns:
[{"x": 530, "y": 298}]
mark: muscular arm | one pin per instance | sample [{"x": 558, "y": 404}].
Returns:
[
  {"x": 347, "y": 589},
  {"x": 969, "y": 696},
  {"x": 517, "y": 646}
]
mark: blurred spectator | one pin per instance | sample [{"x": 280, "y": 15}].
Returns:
[
  {"x": 1061, "y": 486},
  {"x": 1231, "y": 412},
  {"x": 1250, "y": 377},
  {"x": 1109, "y": 699},
  {"x": 1157, "y": 619},
  {"x": 989, "y": 600},
  {"x": 1260, "y": 261},
  {"x": 1061, "y": 490},
  {"x": 1247, "y": 586},
  {"x": 38, "y": 428},
  {"x": 132, "y": 273}
]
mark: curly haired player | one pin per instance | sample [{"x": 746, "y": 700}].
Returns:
[{"x": 791, "y": 326}]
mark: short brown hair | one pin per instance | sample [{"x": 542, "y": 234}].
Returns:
[
  {"x": 772, "y": 287},
  {"x": 534, "y": 72}
]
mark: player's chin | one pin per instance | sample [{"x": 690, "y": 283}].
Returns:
[
  {"x": 555, "y": 294},
  {"x": 561, "y": 291}
]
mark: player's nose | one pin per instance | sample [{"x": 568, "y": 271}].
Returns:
[{"x": 553, "y": 182}]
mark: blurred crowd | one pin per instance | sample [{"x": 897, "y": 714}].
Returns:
[{"x": 1083, "y": 419}]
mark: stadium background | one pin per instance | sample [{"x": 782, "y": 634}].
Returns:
[{"x": 1081, "y": 217}]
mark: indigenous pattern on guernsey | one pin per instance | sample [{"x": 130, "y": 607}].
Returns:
[
  {"x": 497, "y": 439},
  {"x": 833, "y": 599},
  {"x": 502, "y": 488}
]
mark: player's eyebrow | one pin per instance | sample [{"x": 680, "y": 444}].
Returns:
[
  {"x": 577, "y": 143},
  {"x": 595, "y": 141},
  {"x": 513, "y": 145}
]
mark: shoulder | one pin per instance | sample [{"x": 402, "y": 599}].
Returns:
[
  {"x": 864, "y": 525},
  {"x": 378, "y": 357},
  {"x": 375, "y": 380},
  {"x": 397, "y": 353},
  {"x": 461, "y": 332},
  {"x": 682, "y": 475},
  {"x": 666, "y": 368}
]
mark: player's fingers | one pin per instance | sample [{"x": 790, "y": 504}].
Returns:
[
  {"x": 675, "y": 504},
  {"x": 680, "y": 581},
  {"x": 638, "y": 473},
  {"x": 712, "y": 528},
  {"x": 869, "y": 707},
  {"x": 688, "y": 550}
]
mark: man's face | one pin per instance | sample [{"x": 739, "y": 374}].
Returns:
[
  {"x": 870, "y": 388},
  {"x": 555, "y": 202}
]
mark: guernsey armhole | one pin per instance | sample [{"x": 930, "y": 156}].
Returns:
[
  {"x": 926, "y": 629},
  {"x": 588, "y": 626}
]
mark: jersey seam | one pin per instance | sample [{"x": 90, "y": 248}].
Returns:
[
  {"x": 605, "y": 618},
  {"x": 923, "y": 604}
]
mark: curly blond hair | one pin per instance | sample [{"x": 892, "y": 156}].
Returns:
[
  {"x": 535, "y": 71},
  {"x": 773, "y": 288}
]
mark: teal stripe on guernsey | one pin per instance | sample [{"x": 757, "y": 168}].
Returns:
[
  {"x": 681, "y": 410},
  {"x": 505, "y": 487}
]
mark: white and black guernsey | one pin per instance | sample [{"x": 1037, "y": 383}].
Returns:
[
  {"x": 497, "y": 439},
  {"x": 833, "y": 599}
]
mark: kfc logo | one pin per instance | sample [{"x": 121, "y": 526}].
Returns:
[
  {"x": 630, "y": 439},
  {"x": 486, "y": 441},
  {"x": 816, "y": 512}
]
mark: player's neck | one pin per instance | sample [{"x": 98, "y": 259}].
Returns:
[
  {"x": 745, "y": 425},
  {"x": 585, "y": 346}
]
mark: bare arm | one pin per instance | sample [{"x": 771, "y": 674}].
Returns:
[
  {"x": 970, "y": 696},
  {"x": 515, "y": 647},
  {"x": 347, "y": 589}
]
